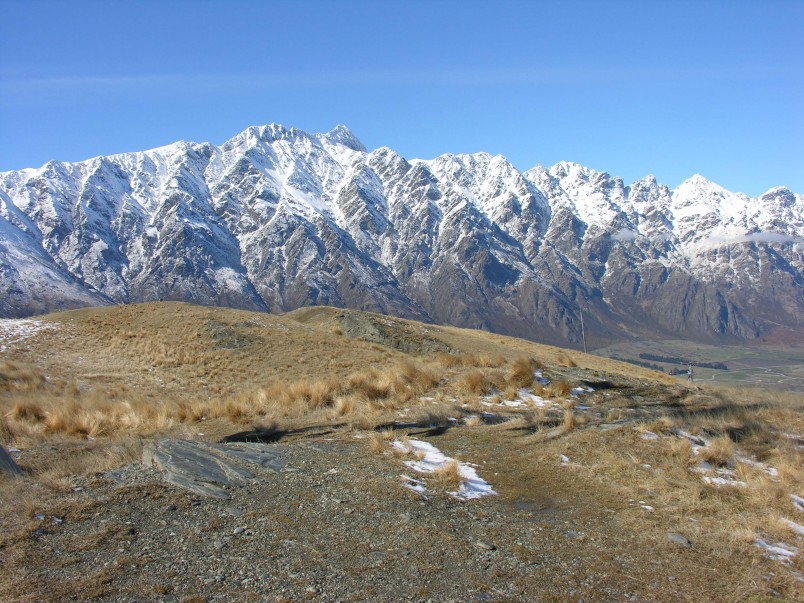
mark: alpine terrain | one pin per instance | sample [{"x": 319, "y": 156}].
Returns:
[{"x": 276, "y": 219}]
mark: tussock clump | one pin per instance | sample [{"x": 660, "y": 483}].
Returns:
[
  {"x": 449, "y": 473},
  {"x": 74, "y": 419},
  {"x": 27, "y": 411},
  {"x": 566, "y": 360},
  {"x": 559, "y": 388},
  {"x": 569, "y": 422},
  {"x": 476, "y": 382},
  {"x": 187, "y": 412},
  {"x": 377, "y": 442},
  {"x": 449, "y": 360},
  {"x": 491, "y": 362},
  {"x": 537, "y": 389},
  {"x": 343, "y": 405},
  {"x": 409, "y": 380},
  {"x": 681, "y": 451},
  {"x": 472, "y": 421},
  {"x": 369, "y": 385},
  {"x": 511, "y": 392},
  {"x": 719, "y": 451},
  {"x": 661, "y": 425},
  {"x": 521, "y": 372},
  {"x": 314, "y": 394},
  {"x": 236, "y": 410},
  {"x": 6, "y": 433},
  {"x": 15, "y": 376}
]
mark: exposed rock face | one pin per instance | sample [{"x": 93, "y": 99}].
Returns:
[
  {"x": 210, "y": 469},
  {"x": 277, "y": 219}
]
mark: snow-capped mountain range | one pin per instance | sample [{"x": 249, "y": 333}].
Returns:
[{"x": 277, "y": 218}]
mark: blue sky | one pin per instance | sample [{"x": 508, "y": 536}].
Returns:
[{"x": 632, "y": 88}]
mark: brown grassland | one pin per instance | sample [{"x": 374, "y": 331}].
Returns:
[{"x": 82, "y": 397}]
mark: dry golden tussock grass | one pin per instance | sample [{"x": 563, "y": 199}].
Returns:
[
  {"x": 662, "y": 425},
  {"x": 719, "y": 452},
  {"x": 475, "y": 381},
  {"x": 369, "y": 384},
  {"x": 569, "y": 422},
  {"x": 566, "y": 360},
  {"x": 511, "y": 392},
  {"x": 680, "y": 449},
  {"x": 472, "y": 421},
  {"x": 449, "y": 473},
  {"x": 376, "y": 442},
  {"x": 537, "y": 389},
  {"x": 16, "y": 376},
  {"x": 449, "y": 361},
  {"x": 521, "y": 372},
  {"x": 559, "y": 388}
]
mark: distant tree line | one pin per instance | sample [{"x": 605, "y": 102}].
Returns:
[{"x": 649, "y": 365}]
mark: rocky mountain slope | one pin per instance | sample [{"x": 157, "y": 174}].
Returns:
[{"x": 276, "y": 219}]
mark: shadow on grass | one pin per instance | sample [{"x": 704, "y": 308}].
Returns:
[{"x": 271, "y": 433}]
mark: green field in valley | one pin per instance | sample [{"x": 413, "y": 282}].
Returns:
[{"x": 753, "y": 365}]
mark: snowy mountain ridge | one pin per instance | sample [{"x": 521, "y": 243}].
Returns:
[{"x": 277, "y": 218}]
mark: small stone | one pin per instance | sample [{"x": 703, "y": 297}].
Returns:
[
  {"x": 171, "y": 508},
  {"x": 679, "y": 539},
  {"x": 239, "y": 530},
  {"x": 486, "y": 546}
]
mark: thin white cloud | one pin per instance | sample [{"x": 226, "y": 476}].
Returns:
[{"x": 431, "y": 77}]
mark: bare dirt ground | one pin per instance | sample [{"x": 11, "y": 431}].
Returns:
[{"x": 611, "y": 483}]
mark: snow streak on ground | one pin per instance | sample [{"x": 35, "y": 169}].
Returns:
[
  {"x": 796, "y": 527},
  {"x": 778, "y": 552},
  {"x": 429, "y": 459},
  {"x": 14, "y": 331}
]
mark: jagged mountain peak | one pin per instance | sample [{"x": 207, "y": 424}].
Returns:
[
  {"x": 279, "y": 218},
  {"x": 340, "y": 134}
]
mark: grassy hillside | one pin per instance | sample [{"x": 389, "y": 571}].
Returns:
[{"x": 633, "y": 455}]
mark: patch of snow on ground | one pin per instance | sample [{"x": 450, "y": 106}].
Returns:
[
  {"x": 723, "y": 481},
  {"x": 413, "y": 484},
  {"x": 513, "y": 403},
  {"x": 798, "y": 502},
  {"x": 722, "y": 477},
  {"x": 430, "y": 458},
  {"x": 566, "y": 462},
  {"x": 14, "y": 331},
  {"x": 537, "y": 401},
  {"x": 778, "y": 552},
  {"x": 578, "y": 391},
  {"x": 649, "y": 435},
  {"x": 797, "y": 528}
]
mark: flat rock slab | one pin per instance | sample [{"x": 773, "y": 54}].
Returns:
[
  {"x": 211, "y": 469},
  {"x": 8, "y": 465}
]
